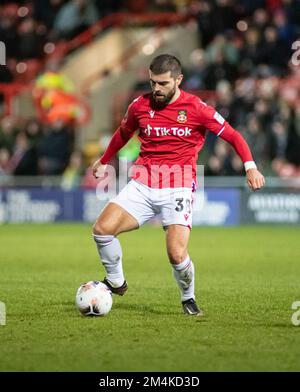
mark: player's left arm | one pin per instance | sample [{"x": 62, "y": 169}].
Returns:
[{"x": 217, "y": 124}]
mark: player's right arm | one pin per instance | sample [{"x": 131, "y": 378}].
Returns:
[{"x": 121, "y": 136}]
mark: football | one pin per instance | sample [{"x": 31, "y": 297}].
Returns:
[{"x": 93, "y": 299}]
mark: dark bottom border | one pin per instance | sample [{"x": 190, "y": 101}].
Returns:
[{"x": 131, "y": 381}]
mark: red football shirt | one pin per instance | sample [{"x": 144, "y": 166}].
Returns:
[{"x": 171, "y": 138}]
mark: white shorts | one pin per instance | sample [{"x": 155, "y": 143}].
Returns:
[{"x": 173, "y": 205}]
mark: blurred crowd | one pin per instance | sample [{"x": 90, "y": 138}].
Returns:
[
  {"x": 30, "y": 148},
  {"x": 245, "y": 58}
]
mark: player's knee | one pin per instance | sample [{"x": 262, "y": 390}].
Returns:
[
  {"x": 176, "y": 256},
  {"x": 101, "y": 228}
]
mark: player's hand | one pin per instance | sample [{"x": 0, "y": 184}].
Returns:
[
  {"x": 255, "y": 179},
  {"x": 98, "y": 169}
]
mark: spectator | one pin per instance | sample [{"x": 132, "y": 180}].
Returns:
[
  {"x": 260, "y": 20},
  {"x": 221, "y": 45},
  {"x": 224, "y": 103},
  {"x": 142, "y": 79},
  {"x": 30, "y": 41},
  {"x": 285, "y": 31},
  {"x": 8, "y": 31},
  {"x": 205, "y": 17},
  {"x": 4, "y": 162},
  {"x": 219, "y": 70},
  {"x": 54, "y": 149},
  {"x": 263, "y": 112},
  {"x": 106, "y": 7},
  {"x": 285, "y": 143},
  {"x": 53, "y": 79},
  {"x": 71, "y": 176},
  {"x": 23, "y": 160},
  {"x": 8, "y": 132},
  {"x": 251, "y": 52},
  {"x": 224, "y": 16},
  {"x": 33, "y": 131},
  {"x": 214, "y": 166},
  {"x": 196, "y": 75},
  {"x": 6, "y": 75},
  {"x": 271, "y": 49},
  {"x": 46, "y": 10},
  {"x": 256, "y": 138}
]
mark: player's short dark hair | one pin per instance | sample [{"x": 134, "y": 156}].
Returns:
[{"x": 165, "y": 63}]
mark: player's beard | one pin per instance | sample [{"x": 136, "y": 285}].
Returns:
[{"x": 164, "y": 99}]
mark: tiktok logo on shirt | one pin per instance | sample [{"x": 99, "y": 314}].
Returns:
[{"x": 163, "y": 131}]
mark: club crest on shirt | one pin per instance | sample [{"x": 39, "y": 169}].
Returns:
[{"x": 182, "y": 117}]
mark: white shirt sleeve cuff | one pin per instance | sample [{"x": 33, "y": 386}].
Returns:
[{"x": 250, "y": 165}]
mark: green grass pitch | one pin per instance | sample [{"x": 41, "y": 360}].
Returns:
[{"x": 246, "y": 281}]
